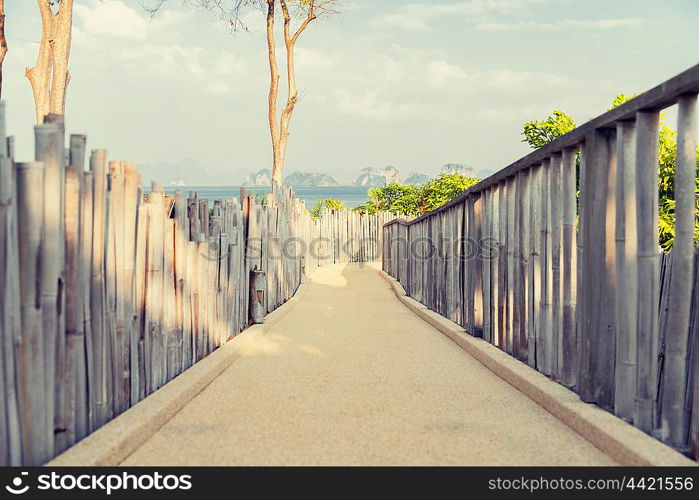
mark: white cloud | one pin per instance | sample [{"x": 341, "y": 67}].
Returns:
[
  {"x": 416, "y": 16},
  {"x": 592, "y": 24},
  {"x": 110, "y": 18}
]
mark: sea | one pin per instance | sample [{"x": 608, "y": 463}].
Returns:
[{"x": 351, "y": 196}]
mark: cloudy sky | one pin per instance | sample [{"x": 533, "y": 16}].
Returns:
[{"x": 388, "y": 82}]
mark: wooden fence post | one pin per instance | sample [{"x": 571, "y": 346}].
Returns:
[
  {"x": 645, "y": 415},
  {"x": 35, "y": 394},
  {"x": 598, "y": 333},
  {"x": 674, "y": 420}
]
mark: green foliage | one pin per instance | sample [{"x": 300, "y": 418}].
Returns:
[
  {"x": 445, "y": 188},
  {"x": 327, "y": 204},
  {"x": 416, "y": 200},
  {"x": 538, "y": 133},
  {"x": 667, "y": 152},
  {"x": 621, "y": 99}
]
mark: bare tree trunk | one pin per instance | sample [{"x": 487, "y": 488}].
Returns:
[
  {"x": 3, "y": 40},
  {"x": 292, "y": 97},
  {"x": 49, "y": 77},
  {"x": 273, "y": 90}
]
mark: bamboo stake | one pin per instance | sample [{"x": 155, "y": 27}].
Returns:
[
  {"x": 98, "y": 165},
  {"x": 85, "y": 422},
  {"x": 73, "y": 383},
  {"x": 33, "y": 366},
  {"x": 556, "y": 227},
  {"x": 626, "y": 249},
  {"x": 131, "y": 333},
  {"x": 645, "y": 415},
  {"x": 675, "y": 417},
  {"x": 49, "y": 150},
  {"x": 598, "y": 333},
  {"x": 569, "y": 269}
]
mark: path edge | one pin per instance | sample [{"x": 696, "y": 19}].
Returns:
[
  {"x": 619, "y": 440},
  {"x": 117, "y": 439}
]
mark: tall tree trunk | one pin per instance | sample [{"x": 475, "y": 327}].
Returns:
[
  {"x": 3, "y": 40},
  {"x": 292, "y": 97},
  {"x": 49, "y": 77},
  {"x": 273, "y": 92}
]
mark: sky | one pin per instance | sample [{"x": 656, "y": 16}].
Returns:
[{"x": 414, "y": 85}]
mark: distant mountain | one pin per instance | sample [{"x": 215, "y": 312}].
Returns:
[
  {"x": 260, "y": 178},
  {"x": 417, "y": 178},
  {"x": 309, "y": 179},
  {"x": 372, "y": 177},
  {"x": 458, "y": 168}
]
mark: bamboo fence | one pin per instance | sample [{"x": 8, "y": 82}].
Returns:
[
  {"x": 109, "y": 290},
  {"x": 578, "y": 287}
]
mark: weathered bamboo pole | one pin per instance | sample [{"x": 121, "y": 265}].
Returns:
[
  {"x": 155, "y": 351},
  {"x": 49, "y": 150},
  {"x": 569, "y": 269},
  {"x": 487, "y": 264},
  {"x": 86, "y": 213},
  {"x": 98, "y": 166},
  {"x": 675, "y": 416},
  {"x": 181, "y": 239},
  {"x": 534, "y": 338},
  {"x": 115, "y": 287},
  {"x": 172, "y": 337},
  {"x": 32, "y": 361},
  {"x": 138, "y": 361},
  {"x": 494, "y": 273},
  {"x": 10, "y": 313},
  {"x": 524, "y": 240},
  {"x": 545, "y": 348},
  {"x": 73, "y": 384},
  {"x": 556, "y": 227},
  {"x": 598, "y": 333},
  {"x": 477, "y": 267},
  {"x": 645, "y": 416},
  {"x": 132, "y": 188},
  {"x": 627, "y": 271},
  {"x": 77, "y": 151}
]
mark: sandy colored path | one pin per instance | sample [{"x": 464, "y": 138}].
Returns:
[{"x": 351, "y": 376}]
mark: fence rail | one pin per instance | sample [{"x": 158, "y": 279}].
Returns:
[
  {"x": 577, "y": 286},
  {"x": 108, "y": 291}
]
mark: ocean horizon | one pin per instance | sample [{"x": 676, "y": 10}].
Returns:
[{"x": 351, "y": 196}]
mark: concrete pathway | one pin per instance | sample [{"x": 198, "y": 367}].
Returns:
[{"x": 351, "y": 376}]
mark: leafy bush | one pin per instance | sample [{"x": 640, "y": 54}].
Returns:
[
  {"x": 327, "y": 204},
  {"x": 416, "y": 200}
]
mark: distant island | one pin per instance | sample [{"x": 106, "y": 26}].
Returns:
[
  {"x": 458, "y": 168},
  {"x": 309, "y": 179},
  {"x": 372, "y": 177},
  {"x": 259, "y": 178},
  {"x": 417, "y": 178}
]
